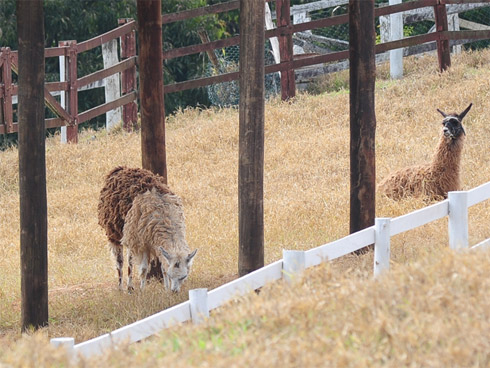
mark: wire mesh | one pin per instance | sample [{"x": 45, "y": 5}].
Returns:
[
  {"x": 228, "y": 93},
  {"x": 336, "y": 38},
  {"x": 476, "y": 18}
]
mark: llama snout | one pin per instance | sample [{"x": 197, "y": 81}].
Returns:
[{"x": 449, "y": 133}]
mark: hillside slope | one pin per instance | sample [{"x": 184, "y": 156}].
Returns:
[{"x": 427, "y": 308}]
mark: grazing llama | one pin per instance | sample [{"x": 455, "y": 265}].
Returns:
[
  {"x": 121, "y": 187},
  {"x": 155, "y": 228},
  {"x": 435, "y": 179}
]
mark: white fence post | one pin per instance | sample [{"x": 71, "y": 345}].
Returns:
[
  {"x": 458, "y": 220},
  {"x": 384, "y": 28},
  {"x": 396, "y": 33},
  {"x": 273, "y": 40},
  {"x": 67, "y": 342},
  {"x": 302, "y": 18},
  {"x": 293, "y": 264},
  {"x": 453, "y": 25},
  {"x": 381, "y": 245},
  {"x": 198, "y": 299},
  {"x": 112, "y": 85},
  {"x": 63, "y": 94}
]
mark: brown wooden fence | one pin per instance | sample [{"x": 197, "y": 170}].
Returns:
[
  {"x": 285, "y": 30},
  {"x": 70, "y": 116}
]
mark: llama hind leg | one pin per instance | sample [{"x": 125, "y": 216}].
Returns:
[
  {"x": 117, "y": 251},
  {"x": 130, "y": 271}
]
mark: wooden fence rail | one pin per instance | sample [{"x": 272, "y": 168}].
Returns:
[
  {"x": 202, "y": 302},
  {"x": 289, "y": 63},
  {"x": 68, "y": 116},
  {"x": 67, "y": 112}
]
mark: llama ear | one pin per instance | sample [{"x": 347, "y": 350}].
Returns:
[
  {"x": 462, "y": 115},
  {"x": 165, "y": 254},
  {"x": 190, "y": 257},
  {"x": 442, "y": 113}
]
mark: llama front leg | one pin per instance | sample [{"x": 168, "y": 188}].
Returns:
[
  {"x": 130, "y": 272},
  {"x": 117, "y": 251},
  {"x": 166, "y": 279},
  {"x": 144, "y": 265}
]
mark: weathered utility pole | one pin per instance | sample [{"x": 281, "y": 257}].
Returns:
[
  {"x": 362, "y": 114},
  {"x": 32, "y": 165},
  {"x": 251, "y": 137},
  {"x": 152, "y": 109}
]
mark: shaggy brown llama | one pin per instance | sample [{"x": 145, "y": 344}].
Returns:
[
  {"x": 120, "y": 188},
  {"x": 435, "y": 179}
]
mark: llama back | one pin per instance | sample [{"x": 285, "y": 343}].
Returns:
[
  {"x": 414, "y": 181},
  {"x": 404, "y": 182},
  {"x": 155, "y": 220},
  {"x": 121, "y": 186}
]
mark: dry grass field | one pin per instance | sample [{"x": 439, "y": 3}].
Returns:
[{"x": 432, "y": 309}]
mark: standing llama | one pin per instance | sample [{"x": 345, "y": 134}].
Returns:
[
  {"x": 121, "y": 187},
  {"x": 435, "y": 179}
]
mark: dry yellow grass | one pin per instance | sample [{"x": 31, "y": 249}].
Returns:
[
  {"x": 338, "y": 314},
  {"x": 342, "y": 319}
]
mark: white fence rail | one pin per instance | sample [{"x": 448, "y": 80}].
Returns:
[{"x": 294, "y": 262}]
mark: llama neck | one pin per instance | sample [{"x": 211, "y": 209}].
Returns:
[{"x": 447, "y": 157}]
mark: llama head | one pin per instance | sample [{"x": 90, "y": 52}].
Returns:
[
  {"x": 178, "y": 268},
  {"x": 452, "y": 124}
]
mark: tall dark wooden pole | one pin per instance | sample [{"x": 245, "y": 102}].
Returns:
[
  {"x": 32, "y": 165},
  {"x": 152, "y": 109},
  {"x": 362, "y": 114},
  {"x": 251, "y": 137}
]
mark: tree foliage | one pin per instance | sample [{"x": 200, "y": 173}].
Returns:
[
  {"x": 68, "y": 19},
  {"x": 84, "y": 19},
  {"x": 185, "y": 33}
]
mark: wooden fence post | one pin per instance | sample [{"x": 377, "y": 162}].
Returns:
[
  {"x": 251, "y": 137},
  {"x": 128, "y": 79},
  {"x": 6, "y": 79},
  {"x": 381, "y": 245},
  {"x": 2, "y": 102},
  {"x": 294, "y": 263},
  {"x": 198, "y": 300},
  {"x": 443, "y": 49},
  {"x": 71, "y": 96},
  {"x": 288, "y": 83},
  {"x": 2, "y": 86},
  {"x": 458, "y": 220}
]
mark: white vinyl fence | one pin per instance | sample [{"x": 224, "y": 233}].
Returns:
[{"x": 293, "y": 263}]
